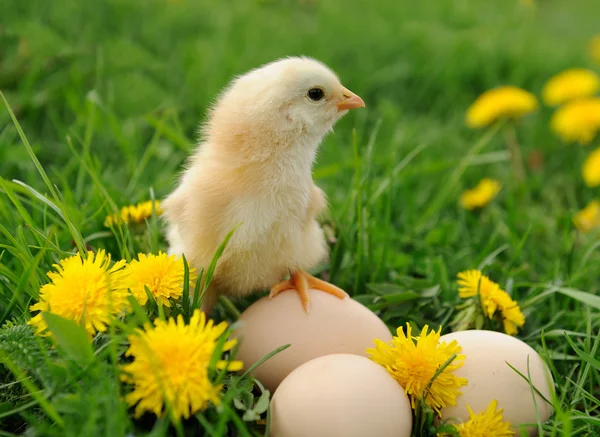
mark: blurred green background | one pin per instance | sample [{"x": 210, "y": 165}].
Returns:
[{"x": 418, "y": 65}]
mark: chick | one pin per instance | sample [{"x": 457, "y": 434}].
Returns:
[{"x": 253, "y": 168}]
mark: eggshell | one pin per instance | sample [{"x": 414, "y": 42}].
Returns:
[
  {"x": 489, "y": 377},
  {"x": 340, "y": 395},
  {"x": 333, "y": 326}
]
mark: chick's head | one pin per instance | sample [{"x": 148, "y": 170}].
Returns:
[
  {"x": 311, "y": 97},
  {"x": 285, "y": 100}
]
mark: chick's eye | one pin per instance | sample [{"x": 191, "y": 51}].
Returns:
[{"x": 315, "y": 94}]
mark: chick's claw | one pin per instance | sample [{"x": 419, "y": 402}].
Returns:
[
  {"x": 294, "y": 283},
  {"x": 301, "y": 282},
  {"x": 281, "y": 286},
  {"x": 319, "y": 284}
]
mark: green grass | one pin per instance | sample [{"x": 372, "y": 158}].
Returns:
[{"x": 109, "y": 95}]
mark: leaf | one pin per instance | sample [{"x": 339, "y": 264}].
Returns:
[
  {"x": 583, "y": 297},
  {"x": 398, "y": 298},
  {"x": 392, "y": 293},
  {"x": 19, "y": 291},
  {"x": 247, "y": 399},
  {"x": 587, "y": 419},
  {"x": 384, "y": 288},
  {"x": 71, "y": 337},
  {"x": 186, "y": 290},
  {"x": 583, "y": 355},
  {"x": 138, "y": 310},
  {"x": 431, "y": 291},
  {"x": 40, "y": 197},
  {"x": 464, "y": 318},
  {"x": 265, "y": 358},
  {"x": 213, "y": 264},
  {"x": 250, "y": 416},
  {"x": 263, "y": 402},
  {"x": 528, "y": 381},
  {"x": 239, "y": 404},
  {"x": 63, "y": 212},
  {"x": 197, "y": 301}
]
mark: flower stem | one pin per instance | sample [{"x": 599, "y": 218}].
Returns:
[{"x": 516, "y": 159}]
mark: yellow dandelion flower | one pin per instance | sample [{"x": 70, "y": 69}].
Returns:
[
  {"x": 497, "y": 103},
  {"x": 134, "y": 213},
  {"x": 571, "y": 84},
  {"x": 492, "y": 299},
  {"x": 487, "y": 424},
  {"x": 472, "y": 283},
  {"x": 589, "y": 217},
  {"x": 594, "y": 48},
  {"x": 171, "y": 366},
  {"x": 413, "y": 361},
  {"x": 162, "y": 274},
  {"x": 577, "y": 121},
  {"x": 489, "y": 300},
  {"x": 591, "y": 169},
  {"x": 512, "y": 318},
  {"x": 481, "y": 195},
  {"x": 84, "y": 289},
  {"x": 511, "y": 314}
]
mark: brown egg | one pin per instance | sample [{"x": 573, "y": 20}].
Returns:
[
  {"x": 490, "y": 377},
  {"x": 333, "y": 326},
  {"x": 340, "y": 395}
]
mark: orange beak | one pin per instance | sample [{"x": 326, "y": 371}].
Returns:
[{"x": 350, "y": 100}]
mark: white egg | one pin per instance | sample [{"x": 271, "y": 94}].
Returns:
[
  {"x": 490, "y": 377},
  {"x": 340, "y": 395},
  {"x": 333, "y": 326}
]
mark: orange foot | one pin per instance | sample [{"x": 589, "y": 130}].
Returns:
[{"x": 302, "y": 282}]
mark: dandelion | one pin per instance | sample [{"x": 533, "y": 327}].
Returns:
[
  {"x": 485, "y": 191},
  {"x": 84, "y": 289},
  {"x": 170, "y": 366},
  {"x": 504, "y": 102},
  {"x": 510, "y": 313},
  {"x": 571, "y": 84},
  {"x": 577, "y": 121},
  {"x": 594, "y": 48},
  {"x": 487, "y": 424},
  {"x": 589, "y": 217},
  {"x": 472, "y": 283},
  {"x": 134, "y": 213},
  {"x": 492, "y": 299},
  {"x": 507, "y": 102},
  {"x": 162, "y": 274},
  {"x": 512, "y": 317},
  {"x": 591, "y": 169},
  {"x": 413, "y": 361}
]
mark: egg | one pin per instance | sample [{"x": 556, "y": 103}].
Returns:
[
  {"x": 340, "y": 395},
  {"x": 489, "y": 377},
  {"x": 333, "y": 326}
]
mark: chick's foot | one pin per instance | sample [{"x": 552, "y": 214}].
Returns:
[{"x": 301, "y": 282}]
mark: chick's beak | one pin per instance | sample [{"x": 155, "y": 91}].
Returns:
[{"x": 350, "y": 100}]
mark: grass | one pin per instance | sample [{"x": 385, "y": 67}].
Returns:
[{"x": 108, "y": 96}]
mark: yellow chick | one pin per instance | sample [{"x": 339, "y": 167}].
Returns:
[{"x": 253, "y": 168}]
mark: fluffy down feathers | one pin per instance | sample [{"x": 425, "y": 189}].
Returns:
[{"x": 253, "y": 168}]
